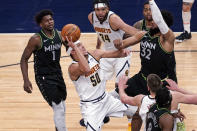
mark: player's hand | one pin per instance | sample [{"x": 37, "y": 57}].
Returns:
[
  {"x": 125, "y": 52},
  {"x": 179, "y": 115},
  {"x": 122, "y": 82},
  {"x": 70, "y": 42},
  {"x": 27, "y": 86},
  {"x": 173, "y": 85},
  {"x": 118, "y": 43}
]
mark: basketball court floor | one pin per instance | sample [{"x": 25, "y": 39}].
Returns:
[{"x": 20, "y": 111}]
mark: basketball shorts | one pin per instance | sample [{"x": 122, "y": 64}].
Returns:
[
  {"x": 115, "y": 67},
  {"x": 189, "y": 1},
  {"x": 52, "y": 87},
  {"x": 94, "y": 112}
]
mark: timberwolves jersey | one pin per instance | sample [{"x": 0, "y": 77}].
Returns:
[
  {"x": 147, "y": 101},
  {"x": 92, "y": 85},
  {"x": 143, "y": 25},
  {"x": 152, "y": 119},
  {"x": 105, "y": 33},
  {"x": 154, "y": 59},
  {"x": 47, "y": 57}
]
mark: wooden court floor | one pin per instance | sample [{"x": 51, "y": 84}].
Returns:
[{"x": 20, "y": 111}]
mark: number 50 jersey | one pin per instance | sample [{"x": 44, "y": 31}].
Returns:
[
  {"x": 105, "y": 33},
  {"x": 92, "y": 85}
]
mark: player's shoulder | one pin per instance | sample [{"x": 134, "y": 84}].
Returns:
[{"x": 36, "y": 38}]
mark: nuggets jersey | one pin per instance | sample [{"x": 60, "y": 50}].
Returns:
[
  {"x": 147, "y": 101},
  {"x": 92, "y": 85},
  {"x": 105, "y": 33}
]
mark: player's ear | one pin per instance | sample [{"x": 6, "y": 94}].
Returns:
[{"x": 148, "y": 88}]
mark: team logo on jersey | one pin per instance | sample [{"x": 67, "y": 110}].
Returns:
[
  {"x": 102, "y": 30},
  {"x": 93, "y": 70},
  {"x": 52, "y": 47}
]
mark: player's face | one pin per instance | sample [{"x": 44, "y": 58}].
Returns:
[
  {"x": 101, "y": 12},
  {"x": 82, "y": 49},
  {"x": 47, "y": 23},
  {"x": 147, "y": 12}
]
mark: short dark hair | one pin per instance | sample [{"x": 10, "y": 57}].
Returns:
[
  {"x": 154, "y": 82},
  {"x": 101, "y": 1},
  {"x": 163, "y": 97},
  {"x": 146, "y": 2},
  {"x": 168, "y": 17},
  {"x": 41, "y": 14}
]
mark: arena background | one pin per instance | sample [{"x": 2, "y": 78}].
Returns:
[{"x": 17, "y": 15}]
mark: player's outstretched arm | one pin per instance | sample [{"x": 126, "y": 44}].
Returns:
[
  {"x": 33, "y": 44},
  {"x": 117, "y": 23},
  {"x": 134, "y": 101},
  {"x": 174, "y": 87},
  {"x": 121, "y": 44}
]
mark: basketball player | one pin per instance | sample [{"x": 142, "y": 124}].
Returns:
[
  {"x": 145, "y": 23},
  {"x": 86, "y": 74},
  {"x": 159, "y": 117},
  {"x": 186, "y": 17},
  {"x": 156, "y": 52},
  {"x": 109, "y": 26},
  {"x": 46, "y": 47}
]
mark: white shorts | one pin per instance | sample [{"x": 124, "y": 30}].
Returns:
[
  {"x": 94, "y": 113},
  {"x": 189, "y": 1},
  {"x": 115, "y": 66}
]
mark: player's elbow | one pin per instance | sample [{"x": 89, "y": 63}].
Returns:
[{"x": 124, "y": 100}]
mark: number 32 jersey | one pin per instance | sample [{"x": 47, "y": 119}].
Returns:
[
  {"x": 105, "y": 33},
  {"x": 154, "y": 59},
  {"x": 92, "y": 85}
]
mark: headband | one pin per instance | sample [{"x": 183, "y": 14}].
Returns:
[{"x": 100, "y": 5}]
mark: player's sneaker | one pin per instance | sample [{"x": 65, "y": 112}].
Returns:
[
  {"x": 183, "y": 36},
  {"x": 106, "y": 120}
]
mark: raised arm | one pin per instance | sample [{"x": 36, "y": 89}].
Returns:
[
  {"x": 168, "y": 35},
  {"x": 79, "y": 68},
  {"x": 32, "y": 45}
]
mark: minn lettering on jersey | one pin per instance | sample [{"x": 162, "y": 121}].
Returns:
[
  {"x": 102, "y": 30},
  {"x": 147, "y": 44},
  {"x": 93, "y": 70},
  {"x": 52, "y": 47}
]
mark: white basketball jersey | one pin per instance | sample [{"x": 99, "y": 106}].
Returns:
[
  {"x": 92, "y": 85},
  {"x": 105, "y": 33},
  {"x": 147, "y": 101}
]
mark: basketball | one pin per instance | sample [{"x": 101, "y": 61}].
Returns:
[{"x": 71, "y": 31}]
